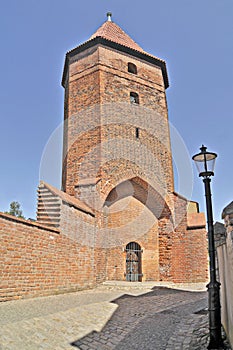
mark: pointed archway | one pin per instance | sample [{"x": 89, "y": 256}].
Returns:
[{"x": 133, "y": 212}]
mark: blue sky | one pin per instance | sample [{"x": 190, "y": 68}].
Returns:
[{"x": 195, "y": 38}]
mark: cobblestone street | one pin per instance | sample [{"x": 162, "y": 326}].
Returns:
[{"x": 113, "y": 316}]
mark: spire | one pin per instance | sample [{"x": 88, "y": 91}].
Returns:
[
  {"x": 111, "y": 31},
  {"x": 110, "y": 34},
  {"x": 109, "y": 16}
]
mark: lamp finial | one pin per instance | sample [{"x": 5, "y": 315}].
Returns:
[{"x": 203, "y": 149}]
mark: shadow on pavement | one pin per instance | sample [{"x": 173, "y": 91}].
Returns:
[{"x": 146, "y": 321}]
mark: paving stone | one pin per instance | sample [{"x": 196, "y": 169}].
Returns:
[{"x": 107, "y": 318}]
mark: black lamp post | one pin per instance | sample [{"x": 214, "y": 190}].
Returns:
[{"x": 205, "y": 165}]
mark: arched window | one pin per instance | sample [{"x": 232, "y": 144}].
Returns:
[
  {"x": 132, "y": 68},
  {"x": 134, "y": 98}
]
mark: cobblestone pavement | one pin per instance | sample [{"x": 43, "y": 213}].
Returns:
[{"x": 121, "y": 316}]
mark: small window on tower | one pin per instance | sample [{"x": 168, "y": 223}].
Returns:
[
  {"x": 137, "y": 133},
  {"x": 134, "y": 98},
  {"x": 132, "y": 68}
]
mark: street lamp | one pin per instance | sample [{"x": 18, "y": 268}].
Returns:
[{"x": 205, "y": 165}]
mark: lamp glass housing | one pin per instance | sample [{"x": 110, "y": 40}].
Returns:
[{"x": 205, "y": 162}]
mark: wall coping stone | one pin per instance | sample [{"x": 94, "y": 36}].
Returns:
[
  {"x": 28, "y": 222},
  {"x": 196, "y": 220},
  {"x": 75, "y": 202}
]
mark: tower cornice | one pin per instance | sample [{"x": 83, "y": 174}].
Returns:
[{"x": 98, "y": 40}]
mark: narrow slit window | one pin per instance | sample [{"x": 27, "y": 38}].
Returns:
[
  {"x": 132, "y": 68},
  {"x": 134, "y": 98},
  {"x": 137, "y": 133}
]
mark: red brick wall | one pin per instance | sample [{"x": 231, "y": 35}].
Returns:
[
  {"x": 82, "y": 92},
  {"x": 36, "y": 261},
  {"x": 189, "y": 256}
]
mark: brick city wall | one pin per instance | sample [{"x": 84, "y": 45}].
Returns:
[{"x": 36, "y": 260}]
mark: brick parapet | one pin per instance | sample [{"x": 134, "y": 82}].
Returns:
[{"x": 34, "y": 224}]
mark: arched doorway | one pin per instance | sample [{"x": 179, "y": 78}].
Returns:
[
  {"x": 133, "y": 210},
  {"x": 133, "y": 262}
]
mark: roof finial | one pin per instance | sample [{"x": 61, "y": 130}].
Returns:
[{"x": 109, "y": 15}]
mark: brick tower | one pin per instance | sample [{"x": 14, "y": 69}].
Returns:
[{"x": 117, "y": 160}]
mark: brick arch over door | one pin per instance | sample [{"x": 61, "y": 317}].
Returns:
[
  {"x": 144, "y": 193},
  {"x": 134, "y": 212}
]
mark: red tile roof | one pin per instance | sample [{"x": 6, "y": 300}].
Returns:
[{"x": 111, "y": 31}]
